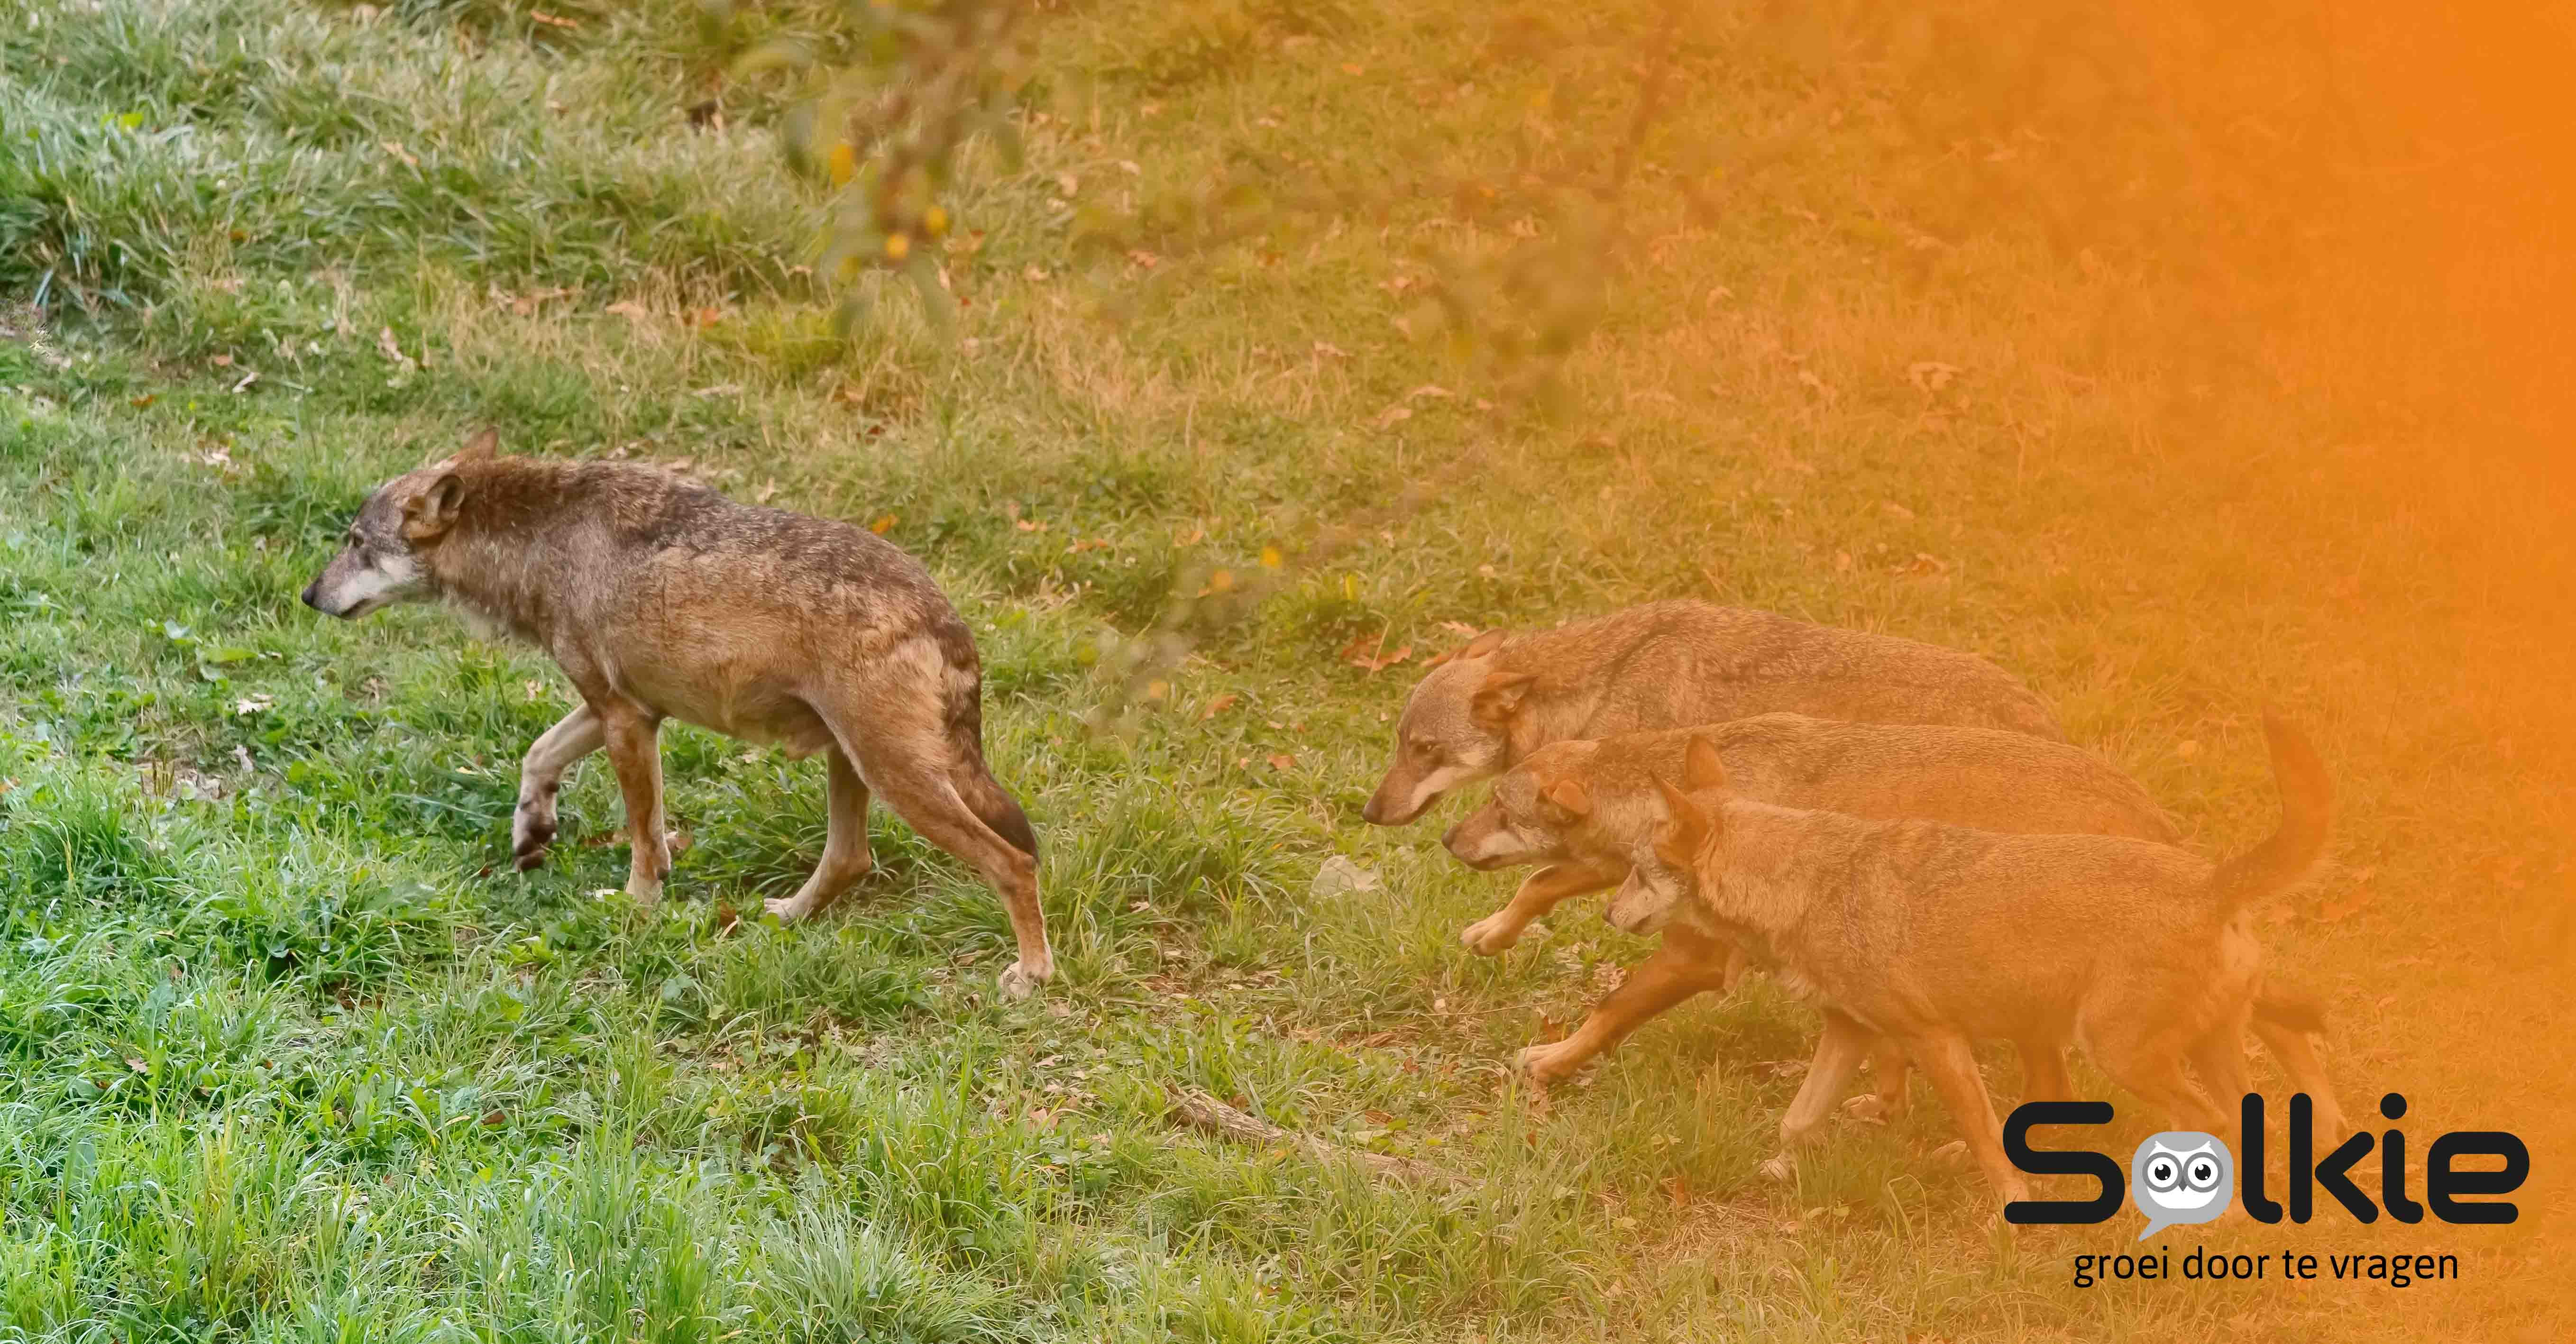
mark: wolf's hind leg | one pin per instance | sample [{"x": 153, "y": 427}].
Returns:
[
  {"x": 907, "y": 757},
  {"x": 845, "y": 847},
  {"x": 541, "y": 776}
]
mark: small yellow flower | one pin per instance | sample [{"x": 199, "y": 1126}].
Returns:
[
  {"x": 898, "y": 246},
  {"x": 934, "y": 221},
  {"x": 1270, "y": 557},
  {"x": 844, "y": 162}
]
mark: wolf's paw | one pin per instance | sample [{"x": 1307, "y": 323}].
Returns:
[
  {"x": 789, "y": 909},
  {"x": 1549, "y": 1063},
  {"x": 1780, "y": 1167},
  {"x": 1491, "y": 936},
  {"x": 647, "y": 891},
  {"x": 530, "y": 838},
  {"x": 1019, "y": 980},
  {"x": 1871, "y": 1109}
]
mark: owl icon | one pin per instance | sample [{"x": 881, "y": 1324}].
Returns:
[{"x": 2181, "y": 1176}]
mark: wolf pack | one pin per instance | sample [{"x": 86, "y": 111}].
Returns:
[{"x": 1897, "y": 832}]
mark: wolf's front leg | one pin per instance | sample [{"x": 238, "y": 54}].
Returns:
[
  {"x": 1539, "y": 893},
  {"x": 634, "y": 747},
  {"x": 1687, "y": 964},
  {"x": 541, "y": 775}
]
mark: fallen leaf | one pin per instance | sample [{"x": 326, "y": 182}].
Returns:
[
  {"x": 1362, "y": 652},
  {"x": 1922, "y": 566},
  {"x": 767, "y": 491},
  {"x": 385, "y": 342},
  {"x": 1930, "y": 375},
  {"x": 1280, "y": 760},
  {"x": 1679, "y": 1189},
  {"x": 2187, "y": 748},
  {"x": 630, "y": 310},
  {"x": 550, "y": 20},
  {"x": 1330, "y": 350},
  {"x": 1219, "y": 705},
  {"x": 401, "y": 153},
  {"x": 1428, "y": 390},
  {"x": 885, "y": 522},
  {"x": 1144, "y": 259},
  {"x": 222, "y": 361},
  {"x": 1391, "y": 415},
  {"x": 1896, "y": 511}
]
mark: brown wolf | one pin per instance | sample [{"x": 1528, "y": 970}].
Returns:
[
  {"x": 1939, "y": 936},
  {"x": 1577, "y": 806},
  {"x": 1671, "y": 665},
  {"x": 663, "y": 599}
]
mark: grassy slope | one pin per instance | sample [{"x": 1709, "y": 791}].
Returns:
[{"x": 294, "y": 1060}]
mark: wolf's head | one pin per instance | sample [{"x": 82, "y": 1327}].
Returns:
[
  {"x": 382, "y": 561},
  {"x": 1454, "y": 731},
  {"x": 1683, "y": 838},
  {"x": 1537, "y": 813}
]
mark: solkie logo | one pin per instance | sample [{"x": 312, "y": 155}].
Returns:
[{"x": 2185, "y": 1176}]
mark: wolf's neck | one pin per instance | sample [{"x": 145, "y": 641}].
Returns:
[
  {"x": 506, "y": 567},
  {"x": 1566, "y": 700},
  {"x": 1776, "y": 862}
]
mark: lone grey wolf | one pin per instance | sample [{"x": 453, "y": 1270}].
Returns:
[{"x": 660, "y": 598}]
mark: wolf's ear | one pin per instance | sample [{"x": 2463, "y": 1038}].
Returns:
[
  {"x": 1679, "y": 842},
  {"x": 1484, "y": 644},
  {"x": 1569, "y": 794},
  {"x": 1500, "y": 696},
  {"x": 1702, "y": 767},
  {"x": 483, "y": 447},
  {"x": 428, "y": 515}
]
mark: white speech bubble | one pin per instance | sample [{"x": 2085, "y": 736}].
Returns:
[{"x": 2181, "y": 1176}]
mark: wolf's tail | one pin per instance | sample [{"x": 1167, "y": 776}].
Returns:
[
  {"x": 2291, "y": 853},
  {"x": 968, "y": 773}
]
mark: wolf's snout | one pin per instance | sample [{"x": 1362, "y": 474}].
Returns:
[
  {"x": 1386, "y": 806},
  {"x": 1468, "y": 849},
  {"x": 313, "y": 595}
]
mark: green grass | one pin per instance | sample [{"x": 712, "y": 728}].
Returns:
[{"x": 291, "y": 1054}]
